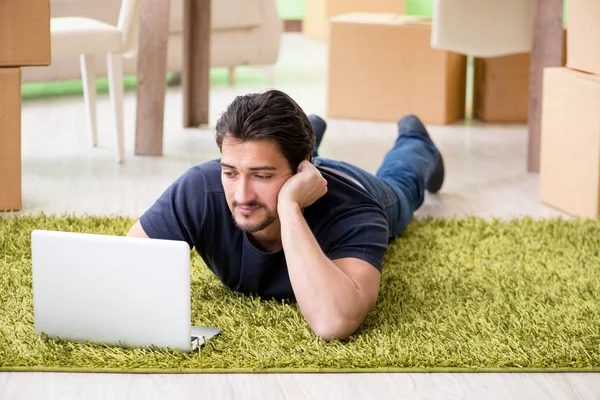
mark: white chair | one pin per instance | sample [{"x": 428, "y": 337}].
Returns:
[{"x": 86, "y": 37}]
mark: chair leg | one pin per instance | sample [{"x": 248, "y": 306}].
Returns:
[
  {"x": 115, "y": 82},
  {"x": 231, "y": 76},
  {"x": 88, "y": 77}
]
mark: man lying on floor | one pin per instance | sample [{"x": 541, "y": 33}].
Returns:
[{"x": 272, "y": 218}]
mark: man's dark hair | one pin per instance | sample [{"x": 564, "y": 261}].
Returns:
[{"x": 271, "y": 115}]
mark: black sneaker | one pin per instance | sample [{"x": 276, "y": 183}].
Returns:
[
  {"x": 319, "y": 126},
  {"x": 412, "y": 124}
]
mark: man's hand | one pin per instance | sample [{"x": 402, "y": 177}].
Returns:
[{"x": 304, "y": 188}]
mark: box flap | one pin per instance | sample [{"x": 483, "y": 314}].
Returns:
[{"x": 581, "y": 74}]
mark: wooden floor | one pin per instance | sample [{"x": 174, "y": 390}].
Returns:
[
  {"x": 436, "y": 386},
  {"x": 486, "y": 176}
]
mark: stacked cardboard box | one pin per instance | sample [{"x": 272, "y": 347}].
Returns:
[
  {"x": 501, "y": 87},
  {"x": 317, "y": 13},
  {"x": 24, "y": 41},
  {"x": 570, "y": 136},
  {"x": 382, "y": 66}
]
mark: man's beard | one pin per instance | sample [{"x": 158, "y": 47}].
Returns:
[{"x": 257, "y": 226}]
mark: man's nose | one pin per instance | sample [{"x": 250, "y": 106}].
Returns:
[{"x": 244, "y": 192}]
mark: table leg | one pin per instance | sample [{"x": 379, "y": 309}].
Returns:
[
  {"x": 547, "y": 51},
  {"x": 196, "y": 62},
  {"x": 151, "y": 75},
  {"x": 10, "y": 139}
]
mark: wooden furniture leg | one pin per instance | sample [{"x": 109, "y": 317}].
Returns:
[
  {"x": 10, "y": 140},
  {"x": 196, "y": 62},
  {"x": 547, "y": 51},
  {"x": 152, "y": 73}
]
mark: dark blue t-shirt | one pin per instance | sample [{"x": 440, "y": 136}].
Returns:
[{"x": 346, "y": 221}]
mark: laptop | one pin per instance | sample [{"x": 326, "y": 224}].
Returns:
[{"x": 117, "y": 290}]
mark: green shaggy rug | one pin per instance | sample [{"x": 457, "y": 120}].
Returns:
[{"x": 456, "y": 295}]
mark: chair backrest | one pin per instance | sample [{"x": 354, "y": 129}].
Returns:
[{"x": 129, "y": 25}]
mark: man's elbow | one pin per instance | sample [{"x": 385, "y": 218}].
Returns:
[
  {"x": 335, "y": 330},
  {"x": 137, "y": 231},
  {"x": 333, "y": 326}
]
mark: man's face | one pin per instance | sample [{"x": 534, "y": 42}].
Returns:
[{"x": 252, "y": 174}]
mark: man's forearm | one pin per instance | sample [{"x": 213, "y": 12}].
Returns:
[{"x": 329, "y": 300}]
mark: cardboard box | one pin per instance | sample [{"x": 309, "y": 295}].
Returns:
[
  {"x": 24, "y": 33},
  {"x": 583, "y": 42},
  {"x": 501, "y": 87},
  {"x": 382, "y": 66},
  {"x": 10, "y": 139},
  {"x": 317, "y": 13},
  {"x": 570, "y": 142}
]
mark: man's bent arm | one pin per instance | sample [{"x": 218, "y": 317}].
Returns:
[
  {"x": 137, "y": 231},
  {"x": 334, "y": 297}
]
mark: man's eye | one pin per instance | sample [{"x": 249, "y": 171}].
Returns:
[
  {"x": 229, "y": 174},
  {"x": 263, "y": 176}
]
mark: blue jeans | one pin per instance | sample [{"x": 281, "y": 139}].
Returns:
[{"x": 399, "y": 184}]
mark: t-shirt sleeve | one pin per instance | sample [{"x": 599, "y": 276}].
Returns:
[
  {"x": 361, "y": 234},
  {"x": 178, "y": 214}
]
